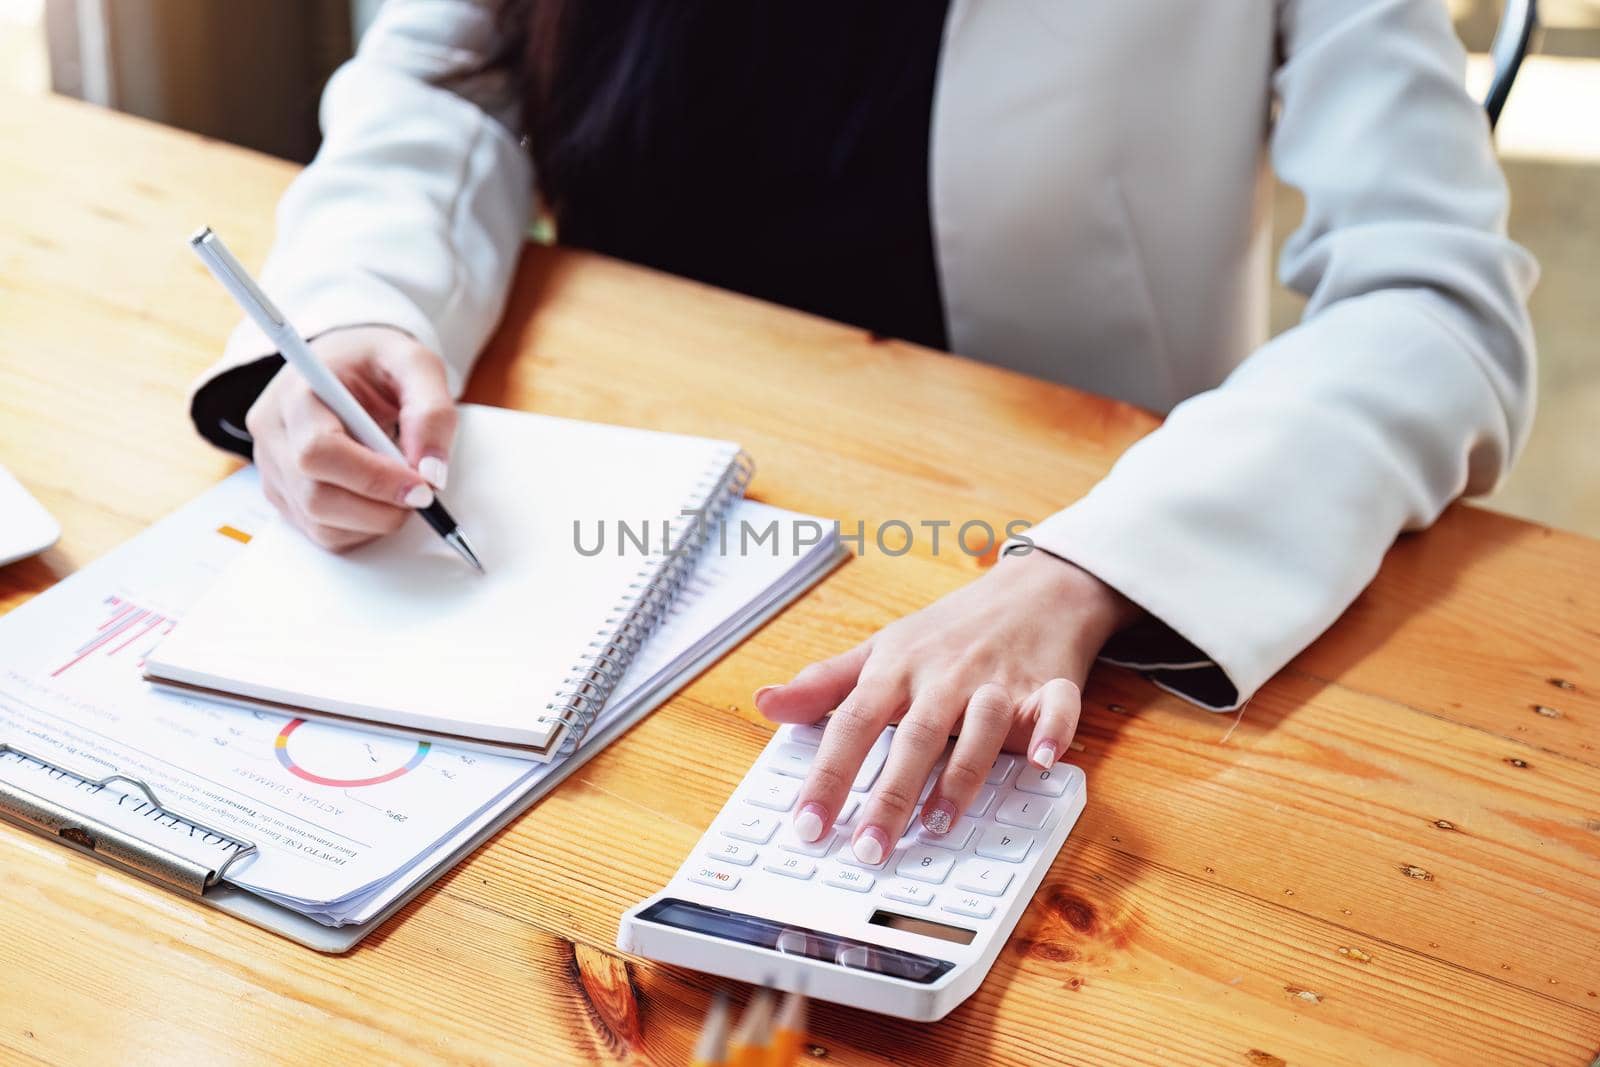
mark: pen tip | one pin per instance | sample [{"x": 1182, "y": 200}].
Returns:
[{"x": 459, "y": 542}]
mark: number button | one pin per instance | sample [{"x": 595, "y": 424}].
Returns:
[
  {"x": 976, "y": 907},
  {"x": 851, "y": 878},
  {"x": 998, "y": 843},
  {"x": 909, "y": 892},
  {"x": 793, "y": 867},
  {"x": 925, "y": 864},
  {"x": 791, "y": 759},
  {"x": 1028, "y": 812},
  {"x": 852, "y": 804},
  {"x": 848, "y": 855},
  {"x": 1001, "y": 769},
  {"x": 807, "y": 735},
  {"x": 790, "y": 843},
  {"x": 982, "y": 876},
  {"x": 732, "y": 852},
  {"x": 715, "y": 877},
  {"x": 1051, "y": 783},
  {"x": 873, "y": 763},
  {"x": 980, "y": 804},
  {"x": 750, "y": 825},
  {"x": 774, "y": 791},
  {"x": 956, "y": 838}
]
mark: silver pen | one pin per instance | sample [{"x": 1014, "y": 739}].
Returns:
[{"x": 329, "y": 389}]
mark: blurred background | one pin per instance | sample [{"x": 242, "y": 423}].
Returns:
[{"x": 250, "y": 72}]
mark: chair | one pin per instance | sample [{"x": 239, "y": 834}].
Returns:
[{"x": 1511, "y": 42}]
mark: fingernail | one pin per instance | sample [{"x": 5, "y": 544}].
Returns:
[
  {"x": 435, "y": 470},
  {"x": 808, "y": 824},
  {"x": 869, "y": 845},
  {"x": 763, "y": 691},
  {"x": 1044, "y": 756},
  {"x": 939, "y": 817},
  {"x": 418, "y": 496}
]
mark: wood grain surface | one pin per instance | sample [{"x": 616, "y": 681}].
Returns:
[{"x": 1391, "y": 856}]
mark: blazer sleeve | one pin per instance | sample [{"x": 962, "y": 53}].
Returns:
[
  {"x": 1254, "y": 516},
  {"x": 412, "y": 214}
]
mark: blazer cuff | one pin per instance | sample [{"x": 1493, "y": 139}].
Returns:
[{"x": 1180, "y": 643}]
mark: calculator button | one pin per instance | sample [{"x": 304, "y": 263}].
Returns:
[
  {"x": 715, "y": 877},
  {"x": 933, "y": 777},
  {"x": 1020, "y": 809},
  {"x": 846, "y": 854},
  {"x": 1002, "y": 768},
  {"x": 791, "y": 758},
  {"x": 925, "y": 864},
  {"x": 792, "y": 867},
  {"x": 852, "y": 804},
  {"x": 733, "y": 852},
  {"x": 910, "y": 892},
  {"x": 873, "y": 763},
  {"x": 981, "y": 802},
  {"x": 976, "y": 907},
  {"x": 790, "y": 843},
  {"x": 773, "y": 791},
  {"x": 806, "y": 735},
  {"x": 956, "y": 839},
  {"x": 1051, "y": 783},
  {"x": 851, "y": 878},
  {"x": 751, "y": 825},
  {"x": 983, "y": 876},
  {"x": 1000, "y": 843}
]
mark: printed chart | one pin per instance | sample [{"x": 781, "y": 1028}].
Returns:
[{"x": 327, "y": 755}]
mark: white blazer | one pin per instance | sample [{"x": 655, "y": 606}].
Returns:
[{"x": 1100, "y": 183}]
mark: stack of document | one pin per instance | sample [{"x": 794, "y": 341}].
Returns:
[{"x": 344, "y": 822}]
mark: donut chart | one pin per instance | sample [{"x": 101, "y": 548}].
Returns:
[{"x": 315, "y": 762}]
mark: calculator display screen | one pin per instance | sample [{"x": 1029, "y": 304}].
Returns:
[{"x": 796, "y": 940}]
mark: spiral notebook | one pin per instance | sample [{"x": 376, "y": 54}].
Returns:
[{"x": 586, "y": 531}]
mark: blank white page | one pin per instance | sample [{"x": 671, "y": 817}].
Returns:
[{"x": 402, "y": 632}]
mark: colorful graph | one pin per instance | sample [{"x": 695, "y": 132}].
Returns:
[
  {"x": 126, "y": 624},
  {"x": 324, "y": 747}
]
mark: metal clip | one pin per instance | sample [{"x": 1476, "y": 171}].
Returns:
[{"x": 109, "y": 843}]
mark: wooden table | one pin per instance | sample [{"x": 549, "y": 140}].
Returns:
[{"x": 1392, "y": 856}]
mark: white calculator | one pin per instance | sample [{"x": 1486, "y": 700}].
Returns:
[{"x": 912, "y": 936}]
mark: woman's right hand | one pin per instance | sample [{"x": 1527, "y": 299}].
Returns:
[{"x": 337, "y": 491}]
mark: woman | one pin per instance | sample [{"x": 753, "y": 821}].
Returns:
[{"x": 1076, "y": 190}]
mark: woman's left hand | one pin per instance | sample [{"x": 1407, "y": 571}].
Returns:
[{"x": 999, "y": 662}]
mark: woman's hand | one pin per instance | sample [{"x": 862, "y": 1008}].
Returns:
[
  {"x": 1000, "y": 662},
  {"x": 337, "y": 491}
]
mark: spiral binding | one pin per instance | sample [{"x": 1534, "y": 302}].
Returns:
[{"x": 588, "y": 686}]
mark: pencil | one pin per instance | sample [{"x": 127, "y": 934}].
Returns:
[
  {"x": 748, "y": 1047},
  {"x": 789, "y": 1032},
  {"x": 712, "y": 1048}
]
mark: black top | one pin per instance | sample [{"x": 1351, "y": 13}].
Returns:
[
  {"x": 781, "y": 150},
  {"x": 777, "y": 149}
]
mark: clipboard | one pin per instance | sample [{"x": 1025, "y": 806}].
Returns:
[{"x": 145, "y": 858}]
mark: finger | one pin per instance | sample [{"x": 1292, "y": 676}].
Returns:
[
  {"x": 816, "y": 690},
  {"x": 427, "y": 414},
  {"x": 919, "y": 741},
  {"x": 983, "y": 732},
  {"x": 849, "y": 735},
  {"x": 320, "y": 449},
  {"x": 334, "y": 538},
  {"x": 330, "y": 505},
  {"x": 1060, "y": 704}
]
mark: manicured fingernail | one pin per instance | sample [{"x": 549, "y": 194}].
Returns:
[
  {"x": 763, "y": 691},
  {"x": 808, "y": 824},
  {"x": 418, "y": 496},
  {"x": 435, "y": 470},
  {"x": 1044, "y": 756},
  {"x": 870, "y": 845},
  {"x": 939, "y": 817}
]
